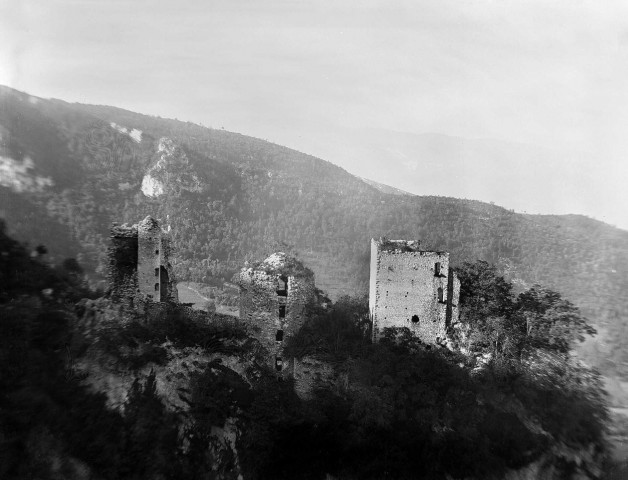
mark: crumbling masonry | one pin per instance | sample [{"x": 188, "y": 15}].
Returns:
[
  {"x": 139, "y": 263},
  {"x": 273, "y": 299},
  {"x": 412, "y": 288}
]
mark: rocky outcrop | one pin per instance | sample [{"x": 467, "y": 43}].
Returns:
[
  {"x": 171, "y": 173},
  {"x": 175, "y": 373}
]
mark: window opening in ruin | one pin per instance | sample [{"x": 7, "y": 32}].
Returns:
[
  {"x": 278, "y": 364},
  {"x": 440, "y": 294},
  {"x": 415, "y": 319},
  {"x": 282, "y": 311},
  {"x": 279, "y": 336},
  {"x": 282, "y": 286},
  {"x": 156, "y": 287},
  {"x": 156, "y": 252},
  {"x": 165, "y": 282},
  {"x": 437, "y": 269},
  {"x": 157, "y": 272}
]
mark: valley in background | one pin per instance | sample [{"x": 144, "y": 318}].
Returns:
[{"x": 70, "y": 170}]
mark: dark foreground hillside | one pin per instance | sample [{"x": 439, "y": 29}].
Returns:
[
  {"x": 92, "y": 389},
  {"x": 229, "y": 197}
]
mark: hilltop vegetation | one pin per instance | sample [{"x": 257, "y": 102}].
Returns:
[
  {"x": 406, "y": 410},
  {"x": 255, "y": 196}
]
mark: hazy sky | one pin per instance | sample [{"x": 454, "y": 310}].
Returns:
[{"x": 553, "y": 74}]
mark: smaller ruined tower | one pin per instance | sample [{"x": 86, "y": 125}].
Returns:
[
  {"x": 412, "y": 288},
  {"x": 140, "y": 266},
  {"x": 273, "y": 298}
]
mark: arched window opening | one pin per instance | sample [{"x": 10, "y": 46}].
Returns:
[
  {"x": 157, "y": 287},
  {"x": 165, "y": 281},
  {"x": 279, "y": 336},
  {"x": 282, "y": 311},
  {"x": 282, "y": 286},
  {"x": 440, "y": 295},
  {"x": 437, "y": 269},
  {"x": 157, "y": 272},
  {"x": 278, "y": 364}
]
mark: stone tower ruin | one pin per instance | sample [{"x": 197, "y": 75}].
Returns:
[
  {"x": 412, "y": 288},
  {"x": 273, "y": 298},
  {"x": 139, "y": 263}
]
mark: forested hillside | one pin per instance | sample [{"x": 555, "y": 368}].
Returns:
[
  {"x": 94, "y": 389},
  {"x": 69, "y": 170}
]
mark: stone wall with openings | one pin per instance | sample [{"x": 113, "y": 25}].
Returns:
[
  {"x": 412, "y": 288},
  {"x": 154, "y": 270},
  {"x": 139, "y": 263},
  {"x": 274, "y": 296},
  {"x": 122, "y": 269}
]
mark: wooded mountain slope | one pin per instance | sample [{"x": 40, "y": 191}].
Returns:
[{"x": 69, "y": 170}]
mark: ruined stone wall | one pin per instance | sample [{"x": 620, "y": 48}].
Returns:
[
  {"x": 139, "y": 265},
  {"x": 122, "y": 270},
  {"x": 149, "y": 258},
  {"x": 167, "y": 280},
  {"x": 413, "y": 289},
  {"x": 274, "y": 318},
  {"x": 373, "y": 282},
  {"x": 453, "y": 297}
]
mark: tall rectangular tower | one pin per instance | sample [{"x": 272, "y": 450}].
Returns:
[
  {"x": 412, "y": 288},
  {"x": 140, "y": 262}
]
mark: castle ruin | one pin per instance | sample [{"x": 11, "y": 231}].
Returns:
[
  {"x": 412, "y": 288},
  {"x": 273, "y": 298},
  {"x": 139, "y": 263}
]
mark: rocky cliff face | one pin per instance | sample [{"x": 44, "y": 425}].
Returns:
[
  {"x": 171, "y": 173},
  {"x": 112, "y": 367},
  {"x": 21, "y": 176}
]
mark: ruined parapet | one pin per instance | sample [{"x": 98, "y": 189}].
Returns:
[
  {"x": 412, "y": 288},
  {"x": 139, "y": 263},
  {"x": 273, "y": 298}
]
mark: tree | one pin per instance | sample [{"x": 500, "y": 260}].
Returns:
[
  {"x": 549, "y": 321},
  {"x": 486, "y": 303}
]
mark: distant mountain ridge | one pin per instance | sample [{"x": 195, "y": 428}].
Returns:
[
  {"x": 247, "y": 197},
  {"x": 520, "y": 176}
]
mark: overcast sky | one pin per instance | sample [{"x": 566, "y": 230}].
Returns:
[{"x": 552, "y": 74}]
